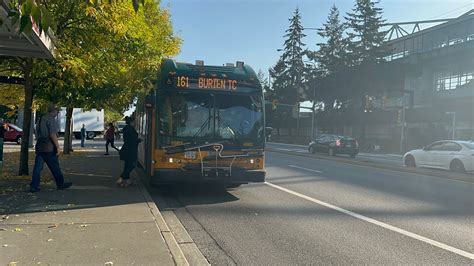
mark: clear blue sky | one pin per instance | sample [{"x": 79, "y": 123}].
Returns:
[{"x": 221, "y": 31}]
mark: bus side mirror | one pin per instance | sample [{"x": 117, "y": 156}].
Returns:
[
  {"x": 268, "y": 132},
  {"x": 150, "y": 101}
]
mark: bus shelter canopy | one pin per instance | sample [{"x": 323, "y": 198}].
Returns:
[{"x": 13, "y": 43}]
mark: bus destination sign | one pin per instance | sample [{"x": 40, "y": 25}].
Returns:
[{"x": 185, "y": 82}]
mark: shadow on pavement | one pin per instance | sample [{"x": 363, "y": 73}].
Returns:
[
  {"x": 93, "y": 186},
  {"x": 195, "y": 194}
]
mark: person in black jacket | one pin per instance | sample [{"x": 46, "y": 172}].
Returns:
[{"x": 129, "y": 152}]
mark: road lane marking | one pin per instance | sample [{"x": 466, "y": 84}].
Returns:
[
  {"x": 307, "y": 169},
  {"x": 378, "y": 223}
]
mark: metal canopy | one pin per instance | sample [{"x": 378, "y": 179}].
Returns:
[
  {"x": 401, "y": 32},
  {"x": 12, "y": 43}
]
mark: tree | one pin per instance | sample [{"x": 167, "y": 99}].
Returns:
[
  {"x": 288, "y": 73},
  {"x": 27, "y": 12},
  {"x": 108, "y": 58},
  {"x": 365, "y": 39},
  {"x": 330, "y": 58},
  {"x": 105, "y": 53},
  {"x": 332, "y": 55}
]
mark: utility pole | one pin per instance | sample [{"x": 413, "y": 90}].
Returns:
[
  {"x": 411, "y": 103},
  {"x": 402, "y": 134},
  {"x": 453, "y": 127},
  {"x": 313, "y": 113}
]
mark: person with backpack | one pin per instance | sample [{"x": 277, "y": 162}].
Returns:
[
  {"x": 110, "y": 138},
  {"x": 47, "y": 150}
]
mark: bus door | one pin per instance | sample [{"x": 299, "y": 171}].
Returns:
[{"x": 149, "y": 140}]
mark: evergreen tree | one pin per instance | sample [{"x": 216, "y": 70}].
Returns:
[
  {"x": 366, "y": 40},
  {"x": 332, "y": 56},
  {"x": 288, "y": 73}
]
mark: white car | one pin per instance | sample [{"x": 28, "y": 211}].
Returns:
[{"x": 451, "y": 155}]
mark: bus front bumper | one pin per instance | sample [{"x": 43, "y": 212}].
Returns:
[{"x": 163, "y": 176}]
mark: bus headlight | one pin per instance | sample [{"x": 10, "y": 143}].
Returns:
[
  {"x": 252, "y": 161},
  {"x": 170, "y": 160}
]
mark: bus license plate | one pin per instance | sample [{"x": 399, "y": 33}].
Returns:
[{"x": 190, "y": 155}]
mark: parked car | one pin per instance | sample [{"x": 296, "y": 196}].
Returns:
[
  {"x": 13, "y": 133},
  {"x": 119, "y": 125},
  {"x": 334, "y": 144},
  {"x": 454, "y": 155}
]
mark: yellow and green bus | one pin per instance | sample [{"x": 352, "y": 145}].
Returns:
[{"x": 203, "y": 124}]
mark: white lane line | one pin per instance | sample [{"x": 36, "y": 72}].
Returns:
[
  {"x": 378, "y": 223},
  {"x": 307, "y": 169}
]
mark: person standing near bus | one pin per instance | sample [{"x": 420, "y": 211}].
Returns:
[
  {"x": 83, "y": 135},
  {"x": 110, "y": 138},
  {"x": 129, "y": 151}
]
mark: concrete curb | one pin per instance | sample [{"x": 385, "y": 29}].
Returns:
[
  {"x": 186, "y": 243},
  {"x": 421, "y": 171},
  {"x": 176, "y": 252},
  {"x": 183, "y": 249}
]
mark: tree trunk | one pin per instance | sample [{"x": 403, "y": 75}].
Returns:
[
  {"x": 29, "y": 93},
  {"x": 67, "y": 131}
]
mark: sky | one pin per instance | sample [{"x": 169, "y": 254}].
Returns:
[{"x": 226, "y": 31}]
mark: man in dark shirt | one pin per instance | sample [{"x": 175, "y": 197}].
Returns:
[{"x": 47, "y": 150}]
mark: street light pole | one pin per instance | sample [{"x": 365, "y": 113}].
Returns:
[
  {"x": 313, "y": 113},
  {"x": 313, "y": 107}
]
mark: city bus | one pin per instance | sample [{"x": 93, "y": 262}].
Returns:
[{"x": 203, "y": 124}]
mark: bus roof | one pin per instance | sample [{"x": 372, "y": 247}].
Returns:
[{"x": 192, "y": 76}]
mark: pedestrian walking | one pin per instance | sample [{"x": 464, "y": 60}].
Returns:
[
  {"x": 129, "y": 151},
  {"x": 47, "y": 150},
  {"x": 2, "y": 135},
  {"x": 110, "y": 138},
  {"x": 83, "y": 135}
]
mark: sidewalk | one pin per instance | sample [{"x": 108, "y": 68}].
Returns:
[{"x": 94, "y": 222}]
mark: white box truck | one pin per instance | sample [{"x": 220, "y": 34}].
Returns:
[{"x": 93, "y": 120}]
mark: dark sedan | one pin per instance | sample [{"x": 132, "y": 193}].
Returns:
[{"x": 334, "y": 144}]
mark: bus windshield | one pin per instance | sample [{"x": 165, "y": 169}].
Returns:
[{"x": 197, "y": 117}]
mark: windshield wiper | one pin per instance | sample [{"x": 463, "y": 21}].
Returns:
[{"x": 206, "y": 123}]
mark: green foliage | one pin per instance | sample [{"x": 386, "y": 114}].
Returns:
[
  {"x": 106, "y": 55},
  {"x": 288, "y": 74},
  {"x": 112, "y": 116},
  {"x": 332, "y": 55},
  {"x": 366, "y": 40},
  {"x": 28, "y": 11}
]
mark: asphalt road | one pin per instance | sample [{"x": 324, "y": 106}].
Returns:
[{"x": 314, "y": 211}]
